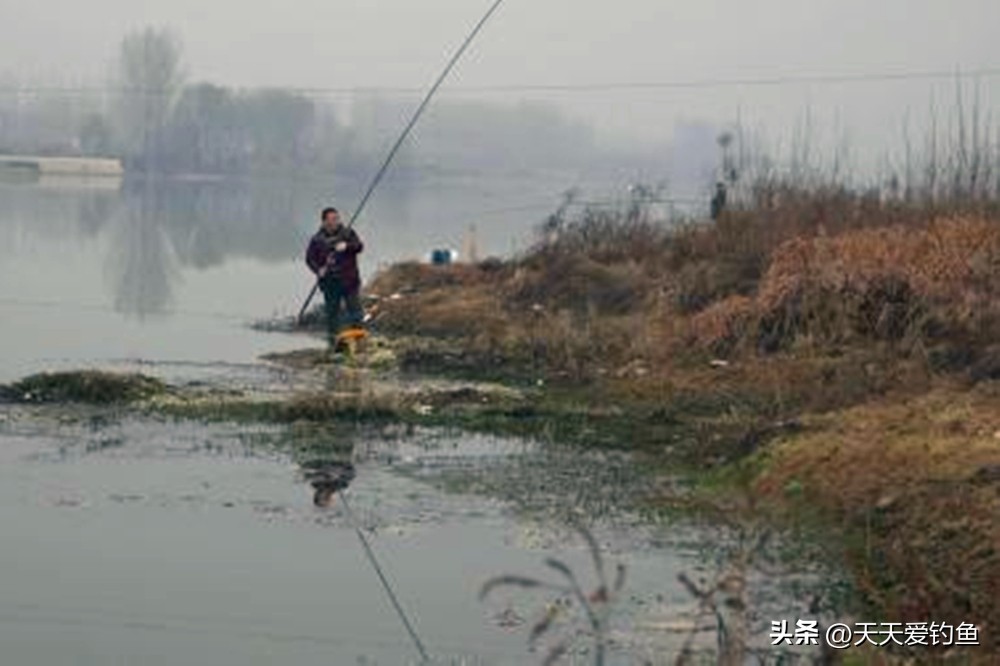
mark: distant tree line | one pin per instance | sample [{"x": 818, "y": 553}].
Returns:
[{"x": 155, "y": 120}]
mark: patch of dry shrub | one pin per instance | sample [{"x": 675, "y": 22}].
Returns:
[
  {"x": 604, "y": 236},
  {"x": 886, "y": 283},
  {"x": 445, "y": 313},
  {"x": 409, "y": 277},
  {"x": 580, "y": 284},
  {"x": 722, "y": 325},
  {"x": 824, "y": 268}
]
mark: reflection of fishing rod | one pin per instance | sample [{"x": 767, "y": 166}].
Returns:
[
  {"x": 406, "y": 131},
  {"x": 331, "y": 478},
  {"x": 381, "y": 576}
]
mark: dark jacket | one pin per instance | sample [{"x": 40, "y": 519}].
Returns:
[{"x": 341, "y": 266}]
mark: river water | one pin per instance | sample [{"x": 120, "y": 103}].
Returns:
[{"x": 133, "y": 540}]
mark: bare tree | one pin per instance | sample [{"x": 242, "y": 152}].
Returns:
[{"x": 151, "y": 78}]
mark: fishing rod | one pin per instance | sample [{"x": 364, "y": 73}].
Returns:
[{"x": 406, "y": 131}]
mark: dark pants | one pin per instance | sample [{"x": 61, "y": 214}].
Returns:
[{"x": 343, "y": 306}]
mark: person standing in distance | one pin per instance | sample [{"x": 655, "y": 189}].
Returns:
[{"x": 333, "y": 256}]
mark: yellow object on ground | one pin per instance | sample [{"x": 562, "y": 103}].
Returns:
[
  {"x": 353, "y": 333},
  {"x": 350, "y": 340}
]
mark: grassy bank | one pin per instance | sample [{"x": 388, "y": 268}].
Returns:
[
  {"x": 841, "y": 348},
  {"x": 915, "y": 481}
]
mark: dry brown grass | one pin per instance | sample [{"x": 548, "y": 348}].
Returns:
[
  {"x": 920, "y": 479},
  {"x": 722, "y": 325},
  {"x": 410, "y": 276},
  {"x": 453, "y": 302},
  {"x": 885, "y": 283},
  {"x": 598, "y": 298},
  {"x": 730, "y": 256}
]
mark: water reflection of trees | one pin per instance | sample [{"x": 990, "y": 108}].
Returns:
[
  {"x": 155, "y": 229},
  {"x": 208, "y": 222},
  {"x": 169, "y": 225},
  {"x": 55, "y": 215},
  {"x": 164, "y": 226},
  {"x": 142, "y": 267}
]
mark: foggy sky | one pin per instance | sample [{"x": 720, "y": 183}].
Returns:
[{"x": 404, "y": 43}]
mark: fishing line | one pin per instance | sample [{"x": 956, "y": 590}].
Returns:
[{"x": 406, "y": 131}]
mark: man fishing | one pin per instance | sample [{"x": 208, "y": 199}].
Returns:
[{"x": 333, "y": 256}]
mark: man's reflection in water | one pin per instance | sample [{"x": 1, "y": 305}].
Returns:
[{"x": 327, "y": 476}]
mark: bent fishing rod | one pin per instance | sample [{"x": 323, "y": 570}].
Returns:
[{"x": 406, "y": 132}]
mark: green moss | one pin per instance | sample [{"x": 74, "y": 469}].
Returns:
[
  {"x": 83, "y": 386},
  {"x": 318, "y": 408}
]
